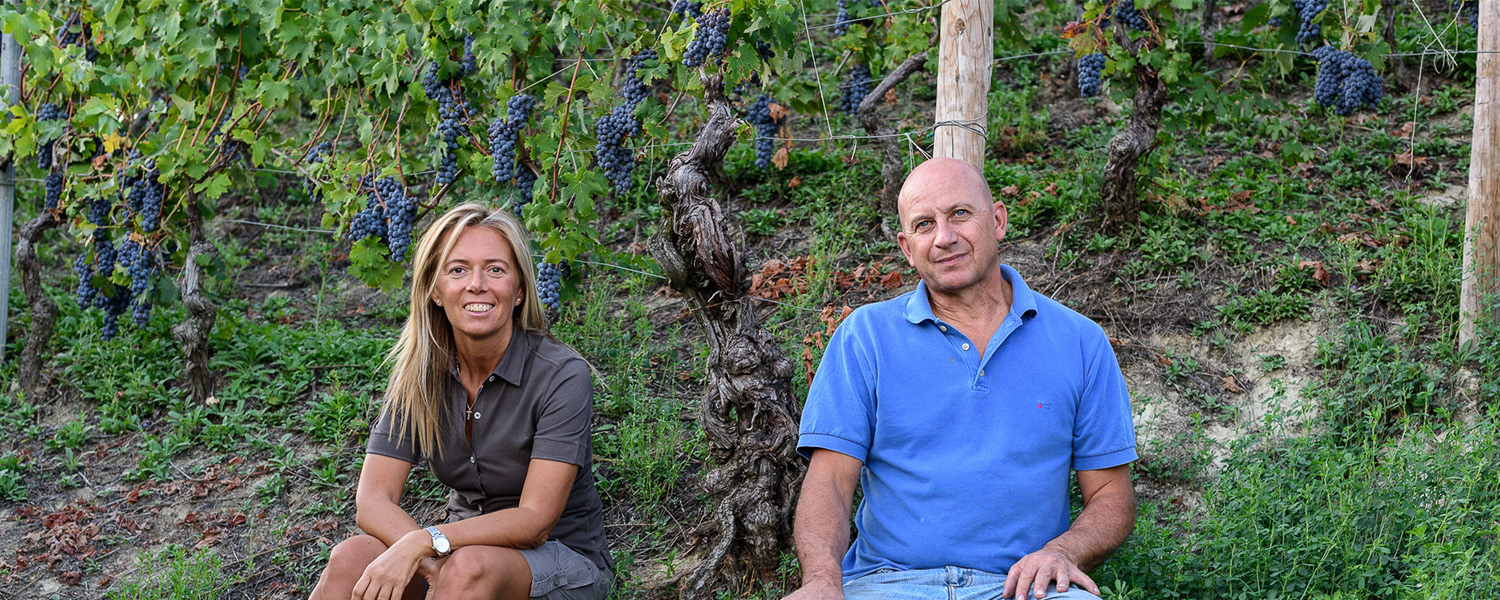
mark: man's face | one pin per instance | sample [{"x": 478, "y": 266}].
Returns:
[{"x": 950, "y": 232}]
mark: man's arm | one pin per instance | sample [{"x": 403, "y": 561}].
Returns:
[
  {"x": 1107, "y": 518},
  {"x": 822, "y": 526}
]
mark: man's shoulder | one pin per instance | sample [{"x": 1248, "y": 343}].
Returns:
[
  {"x": 1054, "y": 314},
  {"x": 879, "y": 317}
]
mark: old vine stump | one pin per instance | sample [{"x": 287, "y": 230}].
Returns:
[{"x": 748, "y": 413}]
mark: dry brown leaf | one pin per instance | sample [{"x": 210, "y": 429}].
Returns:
[
  {"x": 795, "y": 181},
  {"x": 778, "y": 112},
  {"x": 1319, "y": 273},
  {"x": 780, "y": 158},
  {"x": 890, "y": 96},
  {"x": 1010, "y": 191},
  {"x": 891, "y": 280},
  {"x": 1231, "y": 386},
  {"x": 1405, "y": 129}
]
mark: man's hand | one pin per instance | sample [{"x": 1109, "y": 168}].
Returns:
[
  {"x": 387, "y": 576},
  {"x": 819, "y": 589},
  {"x": 1031, "y": 575}
]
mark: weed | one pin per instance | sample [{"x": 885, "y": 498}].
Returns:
[
  {"x": 13, "y": 467},
  {"x": 1264, "y": 308},
  {"x": 761, "y": 221},
  {"x": 1179, "y": 366},
  {"x": 647, "y": 453},
  {"x": 1271, "y": 362},
  {"x": 156, "y": 457},
  {"x": 173, "y": 574},
  {"x": 71, "y": 436},
  {"x": 336, "y": 417}
]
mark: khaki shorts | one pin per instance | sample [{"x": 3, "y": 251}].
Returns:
[{"x": 559, "y": 573}]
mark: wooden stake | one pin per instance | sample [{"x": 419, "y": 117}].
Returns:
[
  {"x": 1481, "y": 274},
  {"x": 966, "y": 55},
  {"x": 10, "y": 94}
]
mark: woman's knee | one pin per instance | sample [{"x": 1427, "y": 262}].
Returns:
[
  {"x": 487, "y": 566},
  {"x": 355, "y": 553}
]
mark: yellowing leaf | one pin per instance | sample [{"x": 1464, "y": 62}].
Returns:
[{"x": 112, "y": 142}]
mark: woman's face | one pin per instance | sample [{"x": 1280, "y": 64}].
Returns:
[{"x": 479, "y": 286}]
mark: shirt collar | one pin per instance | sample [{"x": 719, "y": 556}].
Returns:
[
  {"x": 514, "y": 360},
  {"x": 1022, "y": 299}
]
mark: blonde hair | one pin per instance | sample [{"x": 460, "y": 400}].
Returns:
[{"x": 416, "y": 394}]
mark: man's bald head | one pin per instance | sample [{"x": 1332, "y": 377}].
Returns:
[{"x": 942, "y": 176}]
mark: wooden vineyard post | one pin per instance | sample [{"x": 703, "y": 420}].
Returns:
[
  {"x": 965, "y": 59},
  {"x": 10, "y": 94},
  {"x": 1481, "y": 270}
]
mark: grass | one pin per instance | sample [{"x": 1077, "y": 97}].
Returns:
[{"x": 1386, "y": 486}]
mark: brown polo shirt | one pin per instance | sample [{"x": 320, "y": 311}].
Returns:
[{"x": 537, "y": 403}]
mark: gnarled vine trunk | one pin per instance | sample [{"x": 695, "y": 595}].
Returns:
[
  {"x": 192, "y": 332},
  {"x": 43, "y": 309},
  {"x": 748, "y": 413},
  {"x": 1118, "y": 192}
]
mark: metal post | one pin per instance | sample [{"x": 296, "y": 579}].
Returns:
[{"x": 10, "y": 94}]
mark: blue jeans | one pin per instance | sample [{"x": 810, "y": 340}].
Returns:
[{"x": 952, "y": 583}]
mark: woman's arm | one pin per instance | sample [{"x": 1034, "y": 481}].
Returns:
[
  {"x": 377, "y": 500},
  {"x": 543, "y": 497}
]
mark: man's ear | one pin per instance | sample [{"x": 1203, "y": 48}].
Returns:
[
  {"x": 1002, "y": 219},
  {"x": 905, "y": 245}
]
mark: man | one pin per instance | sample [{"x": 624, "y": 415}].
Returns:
[{"x": 960, "y": 409}]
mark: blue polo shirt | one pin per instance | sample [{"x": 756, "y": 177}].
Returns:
[{"x": 966, "y": 458}]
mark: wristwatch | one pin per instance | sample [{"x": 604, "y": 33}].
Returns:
[{"x": 439, "y": 542}]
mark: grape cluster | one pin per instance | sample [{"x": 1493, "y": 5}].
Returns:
[
  {"x": 104, "y": 254},
  {"x": 766, "y": 129},
  {"x": 47, "y": 112},
  {"x": 86, "y": 290},
  {"x": 400, "y": 214},
  {"x": 1307, "y": 10},
  {"x": 841, "y": 22},
  {"x": 142, "y": 266},
  {"x": 229, "y": 148},
  {"x": 1128, "y": 14},
  {"x": 470, "y": 63},
  {"x": 54, "y": 190},
  {"x": 1090, "y": 69},
  {"x": 99, "y": 209},
  {"x": 549, "y": 278},
  {"x": 1470, "y": 11},
  {"x": 854, "y": 89},
  {"x": 146, "y": 198},
  {"x": 710, "y": 40},
  {"x": 371, "y": 220},
  {"x": 505, "y": 133},
  {"x": 1345, "y": 81},
  {"x": 524, "y": 182},
  {"x": 453, "y": 113},
  {"x": 319, "y": 152},
  {"x": 76, "y": 32},
  {"x": 611, "y": 131},
  {"x": 687, "y": 7}
]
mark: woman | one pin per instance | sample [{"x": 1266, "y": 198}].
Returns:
[{"x": 501, "y": 411}]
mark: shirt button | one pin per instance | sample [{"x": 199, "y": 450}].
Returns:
[
  {"x": 476, "y": 415},
  {"x": 966, "y": 346},
  {"x": 471, "y": 460},
  {"x": 981, "y": 372},
  {"x": 491, "y": 379},
  {"x": 944, "y": 328}
]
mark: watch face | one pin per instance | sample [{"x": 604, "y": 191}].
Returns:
[{"x": 440, "y": 544}]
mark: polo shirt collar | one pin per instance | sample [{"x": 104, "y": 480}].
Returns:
[
  {"x": 1022, "y": 300},
  {"x": 513, "y": 362}
]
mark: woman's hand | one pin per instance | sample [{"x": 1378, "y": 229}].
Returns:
[
  {"x": 387, "y": 576},
  {"x": 429, "y": 569}
]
